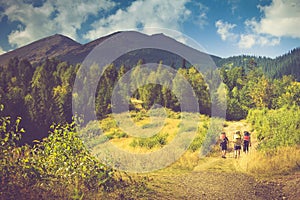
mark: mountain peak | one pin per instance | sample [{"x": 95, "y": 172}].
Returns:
[{"x": 36, "y": 51}]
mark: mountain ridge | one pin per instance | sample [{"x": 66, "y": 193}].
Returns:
[
  {"x": 61, "y": 47},
  {"x": 64, "y": 48},
  {"x": 48, "y": 47}
]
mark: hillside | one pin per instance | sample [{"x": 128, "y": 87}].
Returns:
[
  {"x": 65, "y": 49},
  {"x": 287, "y": 64},
  {"x": 77, "y": 55},
  {"x": 167, "y": 142},
  {"x": 49, "y": 47}
]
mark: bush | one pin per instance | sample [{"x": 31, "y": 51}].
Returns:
[
  {"x": 210, "y": 139},
  {"x": 60, "y": 166},
  {"x": 276, "y": 128},
  {"x": 151, "y": 142},
  {"x": 198, "y": 140}
]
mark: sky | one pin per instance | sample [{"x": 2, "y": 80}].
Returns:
[{"x": 221, "y": 27}]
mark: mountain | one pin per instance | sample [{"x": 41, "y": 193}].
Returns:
[
  {"x": 287, "y": 64},
  {"x": 65, "y": 49},
  {"x": 49, "y": 47},
  {"x": 77, "y": 55}
]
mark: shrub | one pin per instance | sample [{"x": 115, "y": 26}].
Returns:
[
  {"x": 60, "y": 166},
  {"x": 158, "y": 140},
  {"x": 212, "y": 134},
  {"x": 276, "y": 128}
]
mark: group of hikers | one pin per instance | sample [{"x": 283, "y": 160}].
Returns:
[{"x": 238, "y": 142}]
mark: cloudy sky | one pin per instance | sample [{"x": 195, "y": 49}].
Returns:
[{"x": 221, "y": 27}]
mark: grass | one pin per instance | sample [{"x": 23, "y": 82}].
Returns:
[
  {"x": 187, "y": 162},
  {"x": 279, "y": 161},
  {"x": 268, "y": 162}
]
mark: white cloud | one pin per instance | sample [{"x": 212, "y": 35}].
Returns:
[
  {"x": 249, "y": 40},
  {"x": 2, "y": 51},
  {"x": 57, "y": 16},
  {"x": 140, "y": 14},
  {"x": 65, "y": 17},
  {"x": 224, "y": 30},
  {"x": 246, "y": 41},
  {"x": 281, "y": 18}
]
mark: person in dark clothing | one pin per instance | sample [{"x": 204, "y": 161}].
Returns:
[
  {"x": 223, "y": 144},
  {"x": 246, "y": 142}
]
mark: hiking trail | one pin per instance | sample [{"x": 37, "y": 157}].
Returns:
[{"x": 218, "y": 178}]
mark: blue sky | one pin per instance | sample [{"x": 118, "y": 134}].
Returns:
[{"x": 222, "y": 27}]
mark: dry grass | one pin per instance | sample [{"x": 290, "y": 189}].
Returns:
[
  {"x": 187, "y": 161},
  {"x": 272, "y": 162},
  {"x": 281, "y": 161},
  {"x": 170, "y": 127}
]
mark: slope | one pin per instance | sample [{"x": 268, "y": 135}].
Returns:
[
  {"x": 287, "y": 64},
  {"x": 49, "y": 47}
]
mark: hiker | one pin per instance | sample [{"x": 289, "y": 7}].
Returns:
[
  {"x": 246, "y": 142},
  {"x": 237, "y": 140},
  {"x": 223, "y": 144}
]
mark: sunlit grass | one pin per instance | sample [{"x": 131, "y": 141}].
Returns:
[
  {"x": 268, "y": 162},
  {"x": 279, "y": 161},
  {"x": 169, "y": 127}
]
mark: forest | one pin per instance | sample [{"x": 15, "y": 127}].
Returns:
[
  {"x": 42, "y": 95},
  {"x": 40, "y": 146}
]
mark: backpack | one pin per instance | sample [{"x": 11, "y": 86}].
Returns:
[
  {"x": 247, "y": 136},
  {"x": 237, "y": 139}
]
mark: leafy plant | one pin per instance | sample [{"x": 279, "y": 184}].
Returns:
[
  {"x": 59, "y": 166},
  {"x": 158, "y": 140},
  {"x": 276, "y": 128}
]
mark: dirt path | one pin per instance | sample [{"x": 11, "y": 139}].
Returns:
[
  {"x": 213, "y": 185},
  {"x": 217, "y": 178}
]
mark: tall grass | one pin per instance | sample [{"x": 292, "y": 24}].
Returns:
[
  {"x": 272, "y": 162},
  {"x": 213, "y": 131},
  {"x": 188, "y": 161},
  {"x": 278, "y": 135},
  {"x": 154, "y": 141}
]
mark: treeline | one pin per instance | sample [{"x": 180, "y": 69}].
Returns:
[
  {"x": 253, "y": 89},
  {"x": 42, "y": 95},
  {"x": 287, "y": 64}
]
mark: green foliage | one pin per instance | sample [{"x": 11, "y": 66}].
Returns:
[
  {"x": 276, "y": 128},
  {"x": 107, "y": 124},
  {"x": 151, "y": 125},
  {"x": 253, "y": 89},
  {"x": 286, "y": 64},
  {"x": 158, "y": 140},
  {"x": 198, "y": 140},
  {"x": 212, "y": 133},
  {"x": 45, "y": 91},
  {"x": 60, "y": 166},
  {"x": 15, "y": 170},
  {"x": 63, "y": 155}
]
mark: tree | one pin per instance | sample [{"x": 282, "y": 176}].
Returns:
[
  {"x": 261, "y": 92},
  {"x": 104, "y": 91}
]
